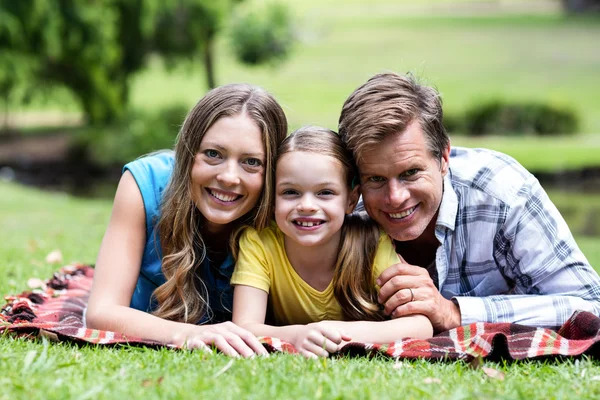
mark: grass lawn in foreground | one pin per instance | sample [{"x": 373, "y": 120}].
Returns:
[{"x": 35, "y": 223}]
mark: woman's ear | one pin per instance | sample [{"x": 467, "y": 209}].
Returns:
[{"x": 353, "y": 199}]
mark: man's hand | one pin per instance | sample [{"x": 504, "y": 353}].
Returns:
[{"x": 407, "y": 289}]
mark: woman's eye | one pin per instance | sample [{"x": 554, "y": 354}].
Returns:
[
  {"x": 210, "y": 153},
  {"x": 326, "y": 192},
  {"x": 254, "y": 162}
]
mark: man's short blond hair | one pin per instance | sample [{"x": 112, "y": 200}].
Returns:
[{"x": 385, "y": 105}]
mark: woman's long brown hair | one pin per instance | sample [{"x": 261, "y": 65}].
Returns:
[
  {"x": 183, "y": 297},
  {"x": 353, "y": 282}
]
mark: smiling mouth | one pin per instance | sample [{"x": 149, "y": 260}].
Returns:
[
  {"x": 224, "y": 197},
  {"x": 308, "y": 224},
  {"x": 403, "y": 214}
]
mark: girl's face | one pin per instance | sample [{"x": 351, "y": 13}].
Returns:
[
  {"x": 311, "y": 198},
  {"x": 228, "y": 172}
]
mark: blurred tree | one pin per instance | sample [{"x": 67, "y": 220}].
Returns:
[
  {"x": 580, "y": 6},
  {"x": 261, "y": 34},
  {"x": 93, "y": 47}
]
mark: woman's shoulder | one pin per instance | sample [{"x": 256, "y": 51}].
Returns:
[{"x": 157, "y": 165}]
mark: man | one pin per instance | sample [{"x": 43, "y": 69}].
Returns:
[{"x": 480, "y": 239}]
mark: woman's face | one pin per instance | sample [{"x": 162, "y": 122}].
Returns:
[{"x": 228, "y": 172}]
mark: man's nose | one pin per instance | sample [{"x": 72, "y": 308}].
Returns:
[{"x": 397, "y": 193}]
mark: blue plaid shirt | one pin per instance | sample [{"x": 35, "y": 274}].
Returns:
[{"x": 506, "y": 253}]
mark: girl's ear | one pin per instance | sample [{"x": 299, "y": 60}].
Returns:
[{"x": 353, "y": 199}]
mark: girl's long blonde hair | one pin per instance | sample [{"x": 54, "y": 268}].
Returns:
[
  {"x": 353, "y": 283},
  {"x": 183, "y": 297}
]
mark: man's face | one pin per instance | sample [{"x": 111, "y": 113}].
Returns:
[{"x": 402, "y": 183}]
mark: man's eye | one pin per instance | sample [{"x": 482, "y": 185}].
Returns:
[
  {"x": 376, "y": 179},
  {"x": 410, "y": 172},
  {"x": 253, "y": 162},
  {"x": 210, "y": 153}
]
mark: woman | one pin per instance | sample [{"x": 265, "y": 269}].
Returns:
[{"x": 165, "y": 261}]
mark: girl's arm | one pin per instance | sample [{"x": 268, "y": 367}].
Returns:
[
  {"x": 312, "y": 340},
  {"x": 320, "y": 339},
  {"x": 115, "y": 277},
  {"x": 414, "y": 326}
]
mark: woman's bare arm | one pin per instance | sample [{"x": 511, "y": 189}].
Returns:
[{"x": 115, "y": 277}]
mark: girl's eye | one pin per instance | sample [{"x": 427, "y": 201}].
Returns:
[
  {"x": 289, "y": 192},
  {"x": 326, "y": 192},
  {"x": 254, "y": 162},
  {"x": 210, "y": 153}
]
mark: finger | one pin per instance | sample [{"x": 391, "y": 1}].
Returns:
[
  {"x": 239, "y": 345},
  {"x": 395, "y": 285},
  {"x": 221, "y": 343},
  {"x": 323, "y": 342},
  {"x": 315, "y": 349},
  {"x": 414, "y": 307},
  {"x": 400, "y": 268},
  {"x": 196, "y": 344},
  {"x": 401, "y": 297},
  {"x": 332, "y": 334},
  {"x": 249, "y": 339},
  {"x": 308, "y": 354}
]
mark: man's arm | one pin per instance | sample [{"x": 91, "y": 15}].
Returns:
[{"x": 536, "y": 251}]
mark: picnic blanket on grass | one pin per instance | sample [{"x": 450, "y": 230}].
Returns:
[{"x": 55, "y": 310}]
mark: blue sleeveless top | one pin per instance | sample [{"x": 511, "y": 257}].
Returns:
[{"x": 152, "y": 174}]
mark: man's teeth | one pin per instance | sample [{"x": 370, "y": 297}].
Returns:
[
  {"x": 404, "y": 213},
  {"x": 224, "y": 197}
]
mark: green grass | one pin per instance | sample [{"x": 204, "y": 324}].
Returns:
[
  {"x": 548, "y": 154},
  {"x": 36, "y": 222}
]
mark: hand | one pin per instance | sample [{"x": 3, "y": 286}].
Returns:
[
  {"x": 319, "y": 340},
  {"x": 407, "y": 289},
  {"x": 229, "y": 338}
]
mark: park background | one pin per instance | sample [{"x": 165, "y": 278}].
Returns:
[{"x": 59, "y": 164}]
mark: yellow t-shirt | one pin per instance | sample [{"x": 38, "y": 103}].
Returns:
[{"x": 263, "y": 264}]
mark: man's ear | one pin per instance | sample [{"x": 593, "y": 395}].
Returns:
[
  {"x": 353, "y": 199},
  {"x": 445, "y": 160}
]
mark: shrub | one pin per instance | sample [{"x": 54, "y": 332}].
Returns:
[
  {"x": 261, "y": 34},
  {"x": 137, "y": 134},
  {"x": 503, "y": 118}
]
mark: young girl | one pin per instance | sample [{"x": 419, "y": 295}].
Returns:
[
  {"x": 165, "y": 263},
  {"x": 317, "y": 263}
]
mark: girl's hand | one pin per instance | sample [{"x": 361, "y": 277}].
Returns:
[
  {"x": 319, "y": 340},
  {"x": 229, "y": 338}
]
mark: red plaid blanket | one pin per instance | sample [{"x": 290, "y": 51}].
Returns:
[{"x": 55, "y": 310}]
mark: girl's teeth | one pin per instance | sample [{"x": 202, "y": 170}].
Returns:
[
  {"x": 307, "y": 224},
  {"x": 403, "y": 214}
]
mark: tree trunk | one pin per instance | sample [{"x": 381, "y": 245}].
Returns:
[{"x": 209, "y": 63}]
